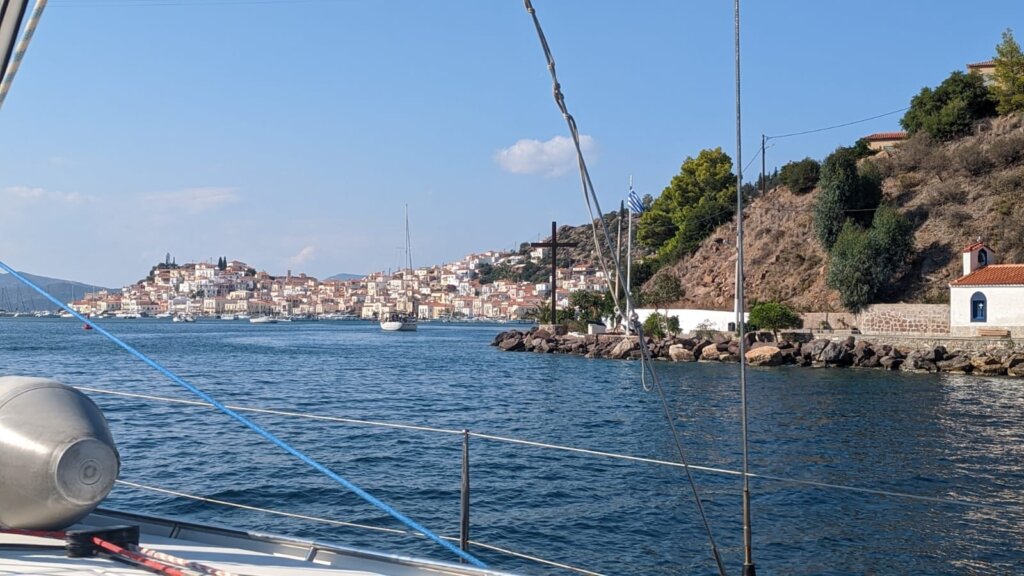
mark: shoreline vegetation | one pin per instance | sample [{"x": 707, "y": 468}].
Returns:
[{"x": 792, "y": 349}]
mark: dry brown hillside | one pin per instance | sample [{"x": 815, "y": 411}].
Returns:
[{"x": 954, "y": 193}]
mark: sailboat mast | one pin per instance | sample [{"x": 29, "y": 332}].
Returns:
[
  {"x": 748, "y": 559},
  {"x": 408, "y": 241}
]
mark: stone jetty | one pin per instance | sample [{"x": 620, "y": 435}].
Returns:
[{"x": 762, "y": 350}]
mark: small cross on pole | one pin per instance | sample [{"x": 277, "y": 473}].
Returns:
[{"x": 554, "y": 245}]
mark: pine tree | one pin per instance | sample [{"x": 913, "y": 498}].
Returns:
[{"x": 1009, "y": 76}]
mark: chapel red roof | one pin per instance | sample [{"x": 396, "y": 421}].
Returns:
[
  {"x": 973, "y": 246},
  {"x": 993, "y": 275},
  {"x": 886, "y": 136}
]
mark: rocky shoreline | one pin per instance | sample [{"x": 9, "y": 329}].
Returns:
[{"x": 762, "y": 350}]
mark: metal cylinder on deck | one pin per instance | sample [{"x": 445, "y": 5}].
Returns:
[{"x": 58, "y": 460}]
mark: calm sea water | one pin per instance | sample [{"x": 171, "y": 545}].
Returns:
[{"x": 949, "y": 437}]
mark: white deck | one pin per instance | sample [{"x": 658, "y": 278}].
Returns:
[{"x": 230, "y": 550}]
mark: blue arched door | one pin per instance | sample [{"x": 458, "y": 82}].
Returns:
[{"x": 979, "y": 307}]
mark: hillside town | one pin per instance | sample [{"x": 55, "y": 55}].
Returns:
[{"x": 235, "y": 289}]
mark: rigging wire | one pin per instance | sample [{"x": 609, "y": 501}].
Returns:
[
  {"x": 19, "y": 53},
  {"x": 163, "y": 3},
  {"x": 591, "y": 196},
  {"x": 250, "y": 424}
]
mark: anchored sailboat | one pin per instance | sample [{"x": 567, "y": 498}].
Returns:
[{"x": 403, "y": 321}]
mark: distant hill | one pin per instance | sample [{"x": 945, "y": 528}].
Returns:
[
  {"x": 344, "y": 276},
  {"x": 16, "y": 297}
]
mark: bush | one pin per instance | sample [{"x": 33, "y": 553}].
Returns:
[
  {"x": 864, "y": 263},
  {"x": 673, "y": 324},
  {"x": 1007, "y": 151},
  {"x": 958, "y": 217},
  {"x": 704, "y": 330},
  {"x": 849, "y": 268},
  {"x": 971, "y": 160},
  {"x": 654, "y": 325},
  {"x": 1009, "y": 182},
  {"x": 950, "y": 110},
  {"x": 773, "y": 316},
  {"x": 909, "y": 181},
  {"x": 946, "y": 193},
  {"x": 914, "y": 152},
  {"x": 800, "y": 177}
]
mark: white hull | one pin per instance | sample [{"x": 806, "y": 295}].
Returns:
[{"x": 398, "y": 325}]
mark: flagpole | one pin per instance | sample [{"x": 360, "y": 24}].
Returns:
[
  {"x": 618, "y": 260},
  {"x": 629, "y": 266}
]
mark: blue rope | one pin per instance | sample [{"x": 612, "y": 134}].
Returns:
[{"x": 253, "y": 426}]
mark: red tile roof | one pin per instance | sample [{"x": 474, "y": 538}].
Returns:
[
  {"x": 993, "y": 275},
  {"x": 886, "y": 136},
  {"x": 985, "y": 64},
  {"x": 973, "y": 246}
]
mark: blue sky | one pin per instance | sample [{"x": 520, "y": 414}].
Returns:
[{"x": 290, "y": 134}]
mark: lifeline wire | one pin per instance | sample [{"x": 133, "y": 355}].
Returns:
[
  {"x": 588, "y": 192},
  {"x": 524, "y": 442},
  {"x": 252, "y": 425}
]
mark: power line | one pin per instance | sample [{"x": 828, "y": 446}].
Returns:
[{"x": 839, "y": 125}]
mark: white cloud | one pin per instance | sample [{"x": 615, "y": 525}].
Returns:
[
  {"x": 551, "y": 158},
  {"x": 32, "y": 193},
  {"x": 304, "y": 255},
  {"x": 195, "y": 200}
]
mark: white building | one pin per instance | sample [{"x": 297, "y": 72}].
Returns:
[
  {"x": 986, "y": 300},
  {"x": 692, "y": 319}
]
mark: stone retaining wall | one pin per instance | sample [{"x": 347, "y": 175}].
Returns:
[
  {"x": 904, "y": 319},
  {"x": 951, "y": 343}
]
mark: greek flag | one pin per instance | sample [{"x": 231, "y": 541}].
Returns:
[{"x": 635, "y": 204}]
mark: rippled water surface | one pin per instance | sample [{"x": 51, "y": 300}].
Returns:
[{"x": 957, "y": 440}]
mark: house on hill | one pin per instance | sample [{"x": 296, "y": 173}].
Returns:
[
  {"x": 986, "y": 300},
  {"x": 986, "y": 69},
  {"x": 884, "y": 140}
]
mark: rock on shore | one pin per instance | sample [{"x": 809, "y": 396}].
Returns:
[{"x": 762, "y": 350}]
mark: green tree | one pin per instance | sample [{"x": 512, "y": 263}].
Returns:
[
  {"x": 774, "y": 316},
  {"x": 891, "y": 238},
  {"x": 800, "y": 176},
  {"x": 695, "y": 202},
  {"x": 586, "y": 305},
  {"x": 1008, "y": 87},
  {"x": 849, "y": 268},
  {"x": 656, "y": 326},
  {"x": 846, "y": 192},
  {"x": 950, "y": 110},
  {"x": 864, "y": 263},
  {"x": 542, "y": 315},
  {"x": 655, "y": 227}
]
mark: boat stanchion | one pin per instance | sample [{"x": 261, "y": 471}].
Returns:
[{"x": 464, "y": 515}]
